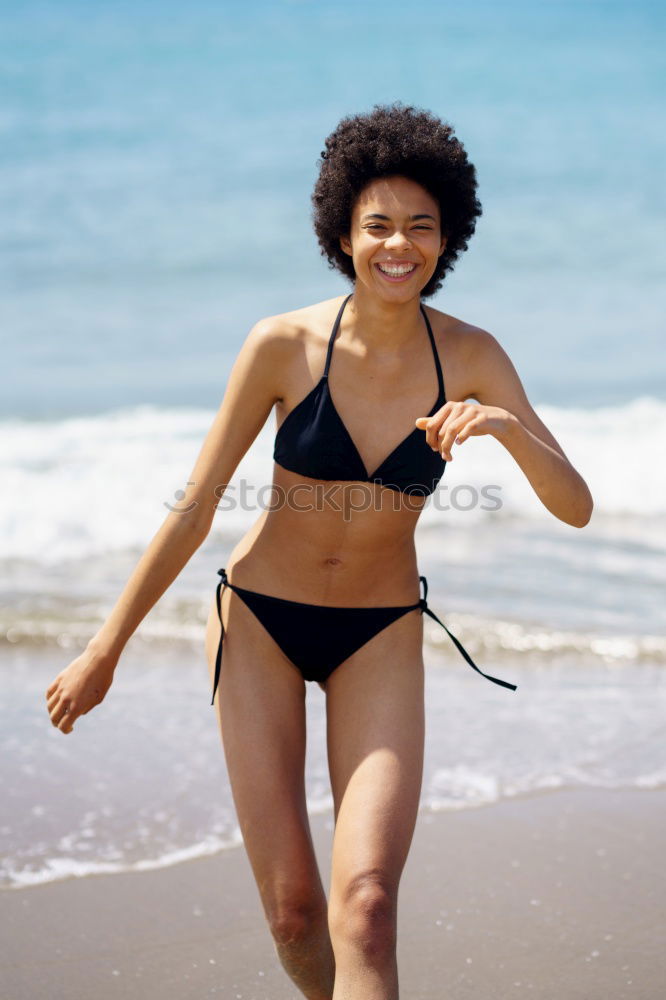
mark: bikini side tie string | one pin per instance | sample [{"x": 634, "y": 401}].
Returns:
[
  {"x": 423, "y": 604},
  {"x": 218, "y": 662}
]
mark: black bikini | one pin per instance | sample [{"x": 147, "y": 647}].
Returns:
[{"x": 314, "y": 442}]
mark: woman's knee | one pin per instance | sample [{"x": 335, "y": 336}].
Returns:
[
  {"x": 363, "y": 914},
  {"x": 295, "y": 915}
]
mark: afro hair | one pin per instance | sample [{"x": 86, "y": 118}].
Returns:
[{"x": 388, "y": 141}]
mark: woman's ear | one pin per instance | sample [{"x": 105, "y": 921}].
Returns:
[
  {"x": 442, "y": 247},
  {"x": 345, "y": 245}
]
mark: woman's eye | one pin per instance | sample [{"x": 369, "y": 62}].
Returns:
[{"x": 376, "y": 225}]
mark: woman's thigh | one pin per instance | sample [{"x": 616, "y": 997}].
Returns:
[
  {"x": 260, "y": 704},
  {"x": 375, "y": 715}
]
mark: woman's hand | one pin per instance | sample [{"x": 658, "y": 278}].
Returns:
[
  {"x": 455, "y": 422},
  {"x": 78, "y": 688}
]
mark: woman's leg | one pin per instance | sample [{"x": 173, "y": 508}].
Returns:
[
  {"x": 375, "y": 744},
  {"x": 261, "y": 708}
]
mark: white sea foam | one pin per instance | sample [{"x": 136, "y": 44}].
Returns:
[
  {"x": 90, "y": 485},
  {"x": 449, "y": 790},
  {"x": 564, "y": 728}
]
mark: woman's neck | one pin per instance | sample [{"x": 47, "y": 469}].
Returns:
[{"x": 381, "y": 324}]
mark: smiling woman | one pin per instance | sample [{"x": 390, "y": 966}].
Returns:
[
  {"x": 399, "y": 247},
  {"x": 396, "y": 141},
  {"x": 330, "y": 591}
]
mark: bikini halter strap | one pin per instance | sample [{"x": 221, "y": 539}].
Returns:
[{"x": 336, "y": 327}]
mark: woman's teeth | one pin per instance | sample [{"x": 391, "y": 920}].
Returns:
[{"x": 396, "y": 270}]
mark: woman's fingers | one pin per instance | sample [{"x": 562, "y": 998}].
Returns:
[
  {"x": 455, "y": 422},
  {"x": 60, "y": 709},
  {"x": 439, "y": 422},
  {"x": 53, "y": 701},
  {"x": 447, "y": 436},
  {"x": 470, "y": 428},
  {"x": 451, "y": 431},
  {"x": 64, "y": 717},
  {"x": 431, "y": 425},
  {"x": 77, "y": 689}
]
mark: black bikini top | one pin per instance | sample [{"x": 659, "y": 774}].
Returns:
[{"x": 314, "y": 442}]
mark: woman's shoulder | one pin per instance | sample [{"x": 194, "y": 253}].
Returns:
[
  {"x": 469, "y": 354},
  {"x": 297, "y": 327},
  {"x": 459, "y": 334},
  {"x": 303, "y": 316}
]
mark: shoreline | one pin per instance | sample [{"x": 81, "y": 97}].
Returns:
[{"x": 559, "y": 894}]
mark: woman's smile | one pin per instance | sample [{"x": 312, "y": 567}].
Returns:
[{"x": 396, "y": 272}]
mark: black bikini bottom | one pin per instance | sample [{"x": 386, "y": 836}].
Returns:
[{"x": 317, "y": 638}]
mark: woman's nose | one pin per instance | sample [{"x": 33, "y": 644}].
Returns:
[{"x": 397, "y": 239}]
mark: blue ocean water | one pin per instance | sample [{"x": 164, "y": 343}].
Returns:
[{"x": 156, "y": 164}]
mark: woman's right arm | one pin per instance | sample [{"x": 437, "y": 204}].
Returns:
[{"x": 252, "y": 390}]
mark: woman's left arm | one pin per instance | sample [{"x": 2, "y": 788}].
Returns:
[{"x": 504, "y": 411}]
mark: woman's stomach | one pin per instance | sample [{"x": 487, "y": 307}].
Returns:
[{"x": 332, "y": 543}]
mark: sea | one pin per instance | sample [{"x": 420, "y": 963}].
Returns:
[{"x": 156, "y": 166}]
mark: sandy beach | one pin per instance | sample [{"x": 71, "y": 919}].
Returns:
[{"x": 559, "y": 895}]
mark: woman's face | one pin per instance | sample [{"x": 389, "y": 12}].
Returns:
[{"x": 395, "y": 239}]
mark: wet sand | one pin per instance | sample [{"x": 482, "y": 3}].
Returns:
[{"x": 556, "y": 896}]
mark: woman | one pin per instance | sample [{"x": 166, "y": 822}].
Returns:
[{"x": 371, "y": 392}]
